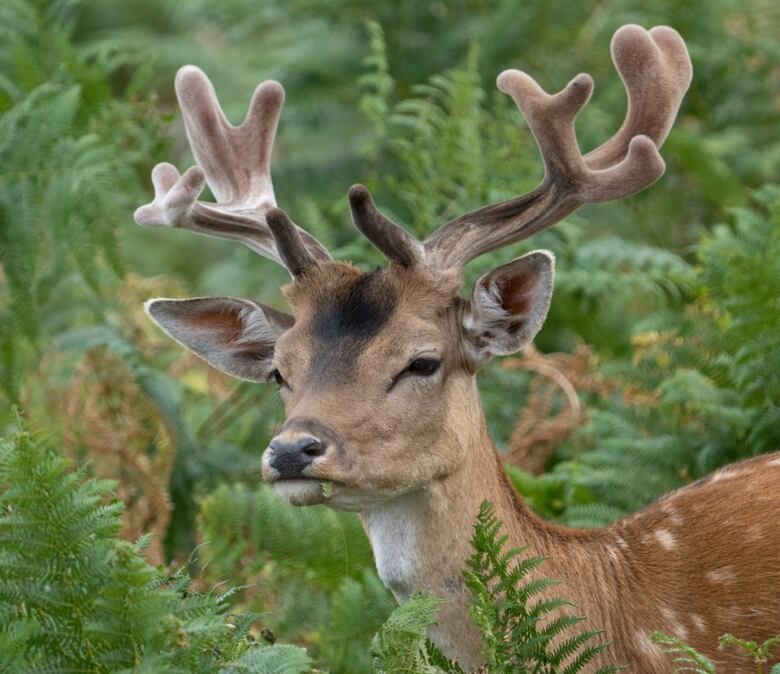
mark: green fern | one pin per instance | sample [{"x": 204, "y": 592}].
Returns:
[
  {"x": 522, "y": 632},
  {"x": 309, "y": 570},
  {"x": 67, "y": 148},
  {"x": 376, "y": 85},
  {"x": 688, "y": 659},
  {"x": 760, "y": 654},
  {"x": 73, "y": 597},
  {"x": 685, "y": 658},
  {"x": 402, "y": 645},
  {"x": 328, "y": 546},
  {"x": 712, "y": 373},
  {"x": 275, "y": 659}
]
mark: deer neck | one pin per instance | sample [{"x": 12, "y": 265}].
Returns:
[{"x": 422, "y": 539}]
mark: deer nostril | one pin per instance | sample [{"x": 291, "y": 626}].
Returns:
[
  {"x": 307, "y": 444},
  {"x": 315, "y": 448}
]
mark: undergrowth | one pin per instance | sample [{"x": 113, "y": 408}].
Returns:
[
  {"x": 687, "y": 659},
  {"x": 677, "y": 313},
  {"x": 74, "y": 597}
]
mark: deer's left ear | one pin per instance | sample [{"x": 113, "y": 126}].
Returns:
[
  {"x": 509, "y": 305},
  {"x": 234, "y": 335}
]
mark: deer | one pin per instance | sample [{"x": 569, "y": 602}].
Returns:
[{"x": 377, "y": 372}]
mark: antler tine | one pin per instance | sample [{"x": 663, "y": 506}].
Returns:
[
  {"x": 233, "y": 160},
  {"x": 656, "y": 71},
  {"x": 230, "y": 156},
  {"x": 295, "y": 256},
  {"x": 389, "y": 238}
]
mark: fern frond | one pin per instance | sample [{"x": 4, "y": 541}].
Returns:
[
  {"x": 686, "y": 659},
  {"x": 73, "y": 597},
  {"x": 521, "y": 636},
  {"x": 400, "y": 644}
]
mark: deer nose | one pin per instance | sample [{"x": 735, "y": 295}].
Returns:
[{"x": 290, "y": 456}]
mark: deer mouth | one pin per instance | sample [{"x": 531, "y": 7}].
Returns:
[
  {"x": 303, "y": 490},
  {"x": 323, "y": 482}
]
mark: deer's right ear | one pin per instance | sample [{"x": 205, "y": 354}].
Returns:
[
  {"x": 509, "y": 305},
  {"x": 236, "y": 336}
]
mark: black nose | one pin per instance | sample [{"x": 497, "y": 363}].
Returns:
[{"x": 290, "y": 457}]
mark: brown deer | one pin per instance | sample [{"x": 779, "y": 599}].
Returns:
[{"x": 377, "y": 372}]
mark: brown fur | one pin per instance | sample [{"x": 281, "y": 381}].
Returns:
[
  {"x": 665, "y": 568},
  {"x": 409, "y": 451}
]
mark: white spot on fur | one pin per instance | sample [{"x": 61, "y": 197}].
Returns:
[
  {"x": 754, "y": 533},
  {"x": 665, "y": 538},
  {"x": 673, "y": 624},
  {"x": 622, "y": 542},
  {"x": 775, "y": 462},
  {"x": 645, "y": 644},
  {"x": 674, "y": 517},
  {"x": 725, "y": 474},
  {"x": 723, "y": 574},
  {"x": 613, "y": 554},
  {"x": 698, "y": 622}
]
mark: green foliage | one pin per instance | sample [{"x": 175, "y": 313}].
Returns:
[
  {"x": 759, "y": 653},
  {"x": 402, "y": 645},
  {"x": 376, "y": 84},
  {"x": 705, "y": 377},
  {"x": 687, "y": 659},
  {"x": 274, "y": 659},
  {"x": 522, "y": 625},
  {"x": 310, "y": 570},
  {"x": 682, "y": 316},
  {"x": 75, "y": 597},
  {"x": 67, "y": 177}
]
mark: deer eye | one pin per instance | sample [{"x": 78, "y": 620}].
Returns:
[
  {"x": 423, "y": 367},
  {"x": 419, "y": 367},
  {"x": 277, "y": 377}
]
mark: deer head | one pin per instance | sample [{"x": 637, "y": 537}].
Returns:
[{"x": 377, "y": 370}]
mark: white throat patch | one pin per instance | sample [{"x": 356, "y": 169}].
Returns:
[{"x": 392, "y": 529}]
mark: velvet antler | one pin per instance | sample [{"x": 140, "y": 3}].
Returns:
[
  {"x": 235, "y": 162},
  {"x": 389, "y": 238},
  {"x": 656, "y": 71}
]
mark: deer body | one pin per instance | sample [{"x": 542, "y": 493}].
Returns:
[
  {"x": 377, "y": 371},
  {"x": 664, "y": 568}
]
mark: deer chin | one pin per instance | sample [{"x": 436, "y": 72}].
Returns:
[
  {"x": 336, "y": 495},
  {"x": 302, "y": 492}
]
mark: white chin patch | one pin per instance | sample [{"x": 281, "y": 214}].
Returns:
[{"x": 300, "y": 492}]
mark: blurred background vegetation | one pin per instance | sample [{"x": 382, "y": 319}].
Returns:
[{"x": 659, "y": 362}]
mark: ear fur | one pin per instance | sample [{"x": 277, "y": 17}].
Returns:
[
  {"x": 234, "y": 335},
  {"x": 509, "y": 305}
]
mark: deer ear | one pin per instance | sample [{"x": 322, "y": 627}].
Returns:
[
  {"x": 235, "y": 336},
  {"x": 509, "y": 305}
]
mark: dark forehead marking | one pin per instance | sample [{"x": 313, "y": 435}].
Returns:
[{"x": 345, "y": 321}]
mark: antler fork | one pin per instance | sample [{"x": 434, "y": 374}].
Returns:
[
  {"x": 235, "y": 162},
  {"x": 656, "y": 71}
]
